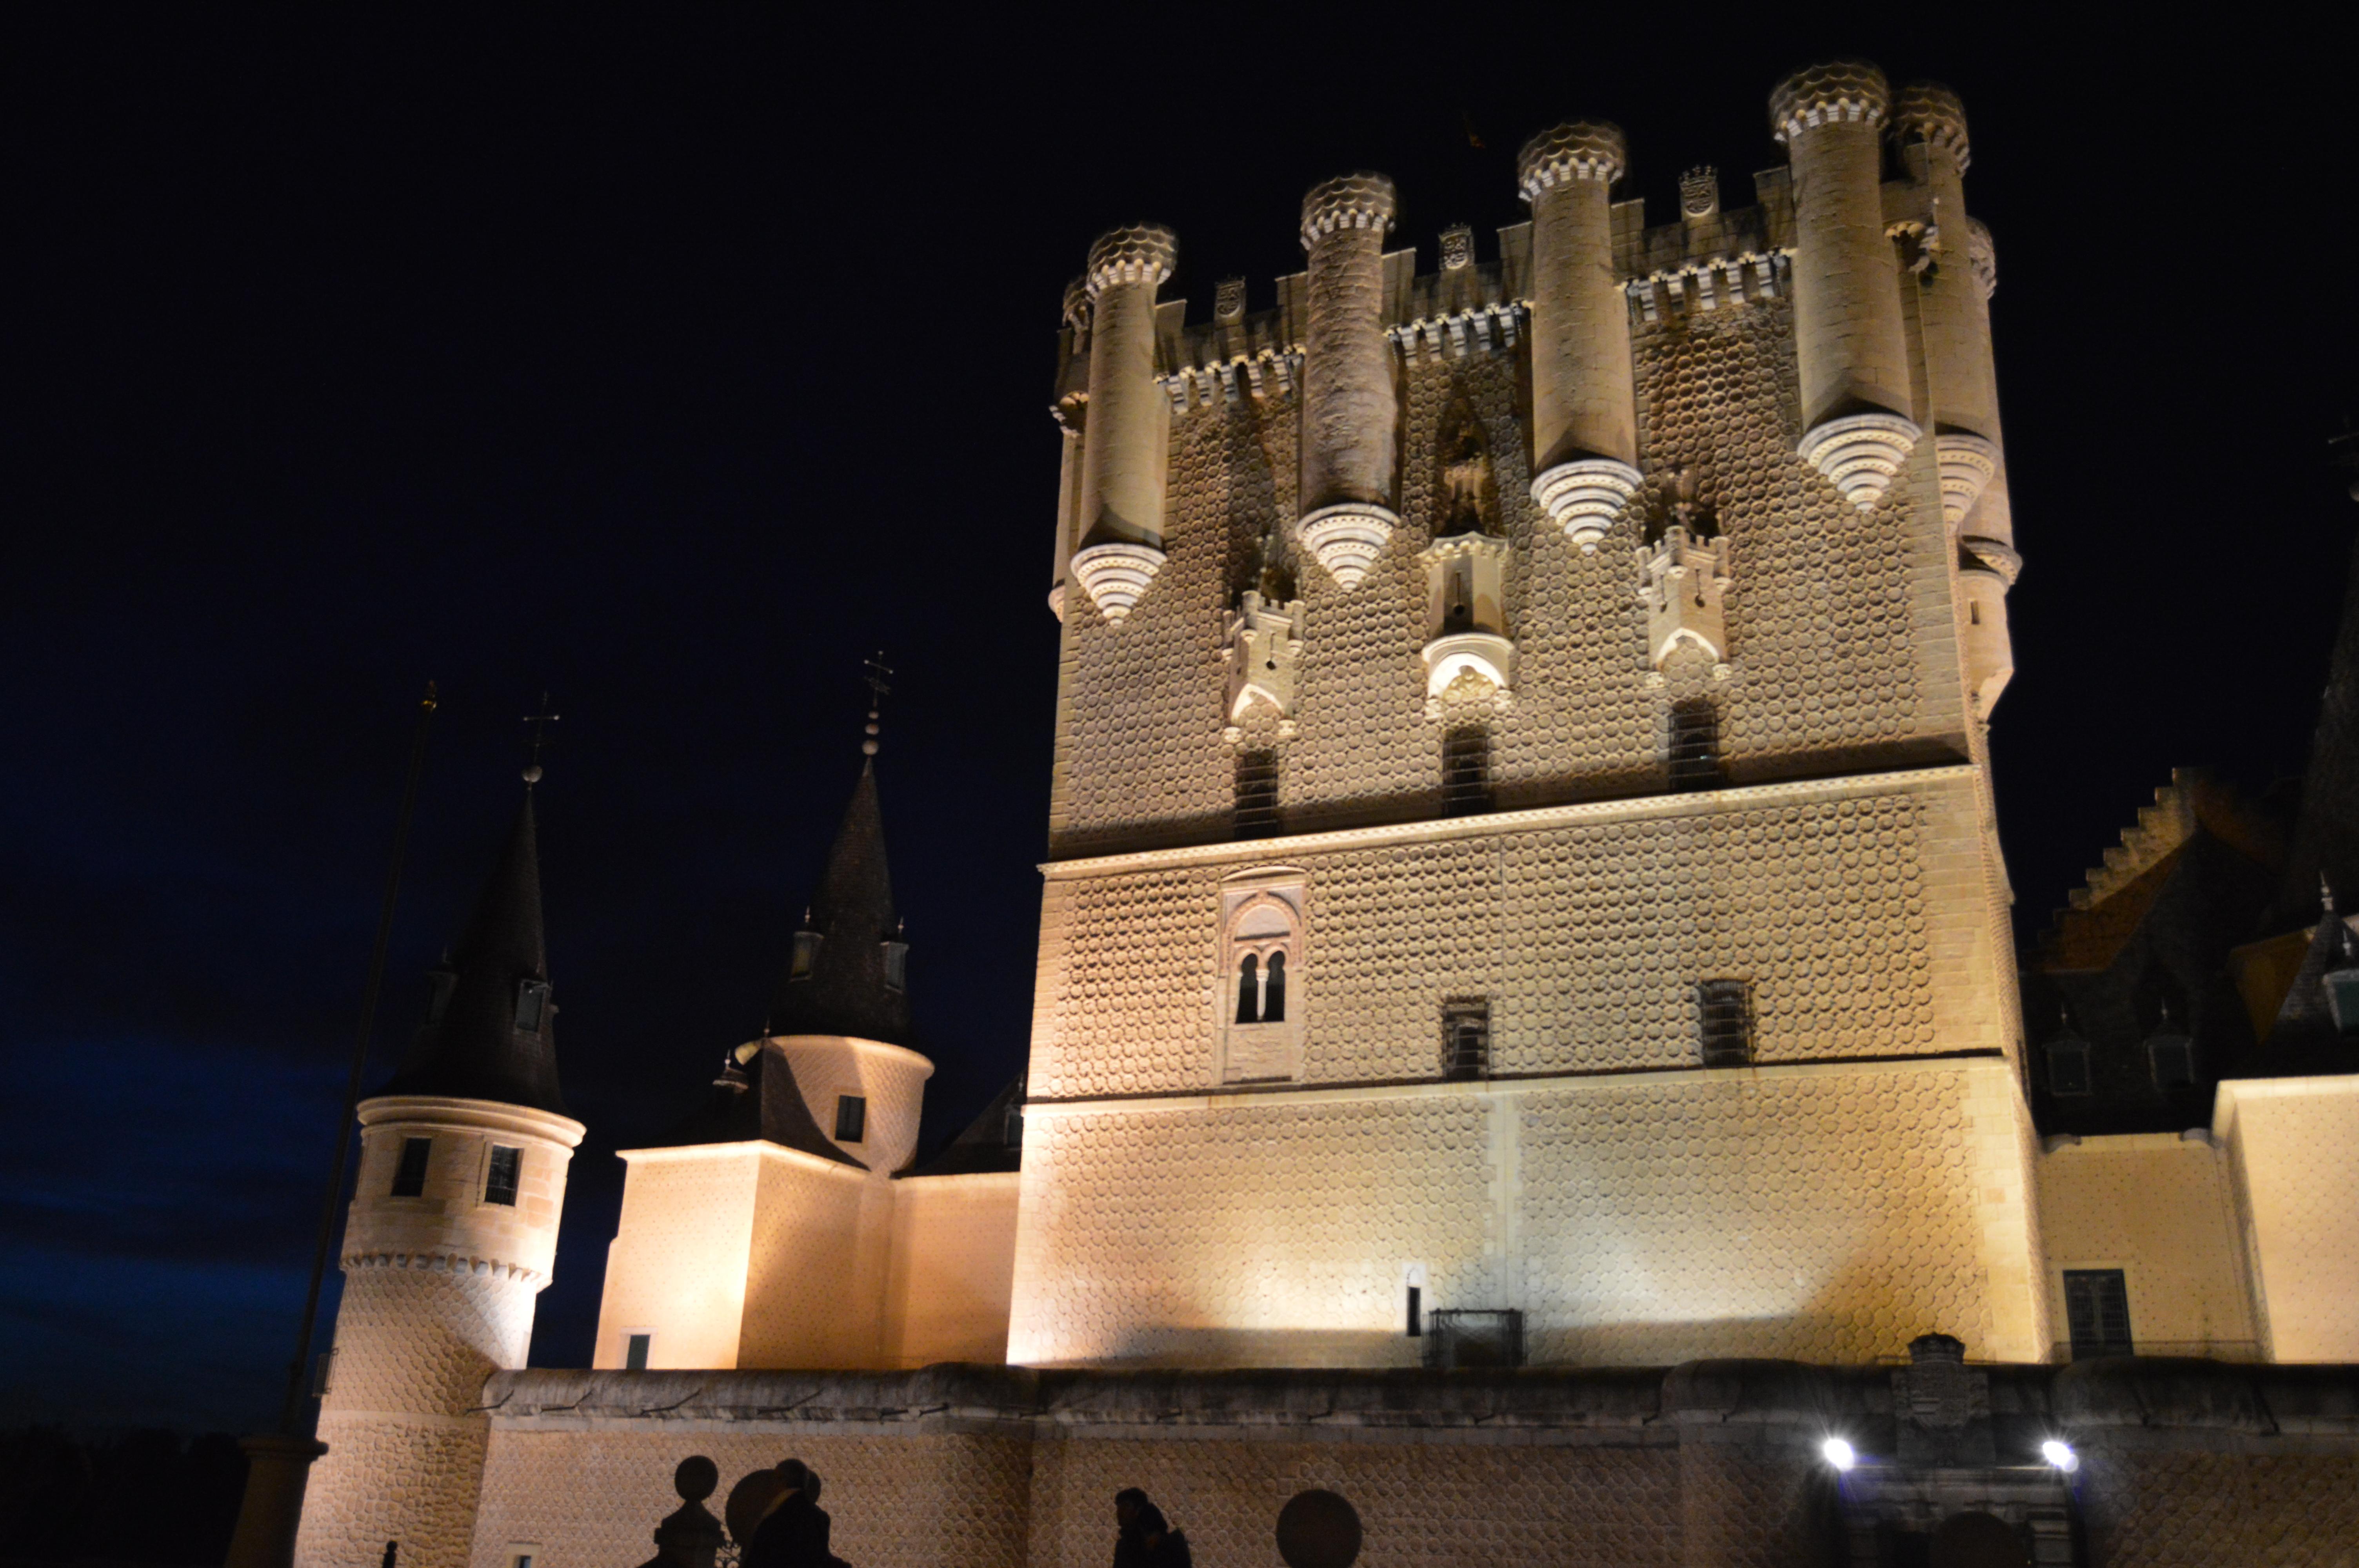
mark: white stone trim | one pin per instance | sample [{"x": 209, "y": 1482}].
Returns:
[
  {"x": 1294, "y": 1095},
  {"x": 1696, "y": 803}
]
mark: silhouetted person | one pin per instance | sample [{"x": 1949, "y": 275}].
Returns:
[
  {"x": 1146, "y": 1539},
  {"x": 794, "y": 1532}
]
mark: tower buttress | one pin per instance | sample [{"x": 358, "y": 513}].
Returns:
[
  {"x": 1121, "y": 522},
  {"x": 1848, "y": 330},
  {"x": 1350, "y": 413},
  {"x": 1584, "y": 406}
]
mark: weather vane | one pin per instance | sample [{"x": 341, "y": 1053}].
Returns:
[
  {"x": 539, "y": 724},
  {"x": 879, "y": 673}
]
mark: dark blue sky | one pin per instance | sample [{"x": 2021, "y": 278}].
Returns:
[{"x": 672, "y": 364}]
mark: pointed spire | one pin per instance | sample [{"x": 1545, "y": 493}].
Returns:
[
  {"x": 490, "y": 1033},
  {"x": 848, "y": 972},
  {"x": 2307, "y": 1017}
]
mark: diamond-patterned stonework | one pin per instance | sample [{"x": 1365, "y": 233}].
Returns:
[{"x": 1825, "y": 655}]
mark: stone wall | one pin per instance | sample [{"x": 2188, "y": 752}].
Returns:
[
  {"x": 1822, "y": 1211},
  {"x": 1714, "y": 1462},
  {"x": 2294, "y": 1143},
  {"x": 2161, "y": 1208},
  {"x": 954, "y": 1264},
  {"x": 1841, "y": 625}
]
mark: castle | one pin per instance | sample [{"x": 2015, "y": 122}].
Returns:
[{"x": 1526, "y": 1035}]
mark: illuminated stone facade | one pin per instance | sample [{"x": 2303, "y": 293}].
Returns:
[
  {"x": 1522, "y": 864},
  {"x": 1785, "y": 799}
]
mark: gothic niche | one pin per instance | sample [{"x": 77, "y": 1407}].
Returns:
[
  {"x": 1683, "y": 581},
  {"x": 1467, "y": 655},
  {"x": 1258, "y": 995},
  {"x": 1262, "y": 647}
]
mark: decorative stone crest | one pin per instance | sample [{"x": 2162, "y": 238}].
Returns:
[
  {"x": 1942, "y": 1406},
  {"x": 1862, "y": 453},
  {"x": 1929, "y": 112},
  {"x": 1229, "y": 301},
  {"x": 1348, "y": 202},
  {"x": 1578, "y": 150},
  {"x": 1137, "y": 252},
  {"x": 1468, "y": 503},
  {"x": 1346, "y": 539},
  {"x": 1683, "y": 583},
  {"x": 1264, "y": 655},
  {"x": 1116, "y": 576},
  {"x": 1700, "y": 193},
  {"x": 1457, "y": 247},
  {"x": 1585, "y": 496},
  {"x": 1982, "y": 256},
  {"x": 1839, "y": 91},
  {"x": 1967, "y": 464},
  {"x": 1466, "y": 626}
]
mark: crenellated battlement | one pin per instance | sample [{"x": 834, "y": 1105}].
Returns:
[
  {"x": 1733, "y": 257},
  {"x": 1799, "y": 380}
]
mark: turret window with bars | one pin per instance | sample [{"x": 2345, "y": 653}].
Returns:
[
  {"x": 1466, "y": 770},
  {"x": 1692, "y": 746},
  {"x": 1256, "y": 808},
  {"x": 1725, "y": 1009},
  {"x": 1466, "y": 1037},
  {"x": 502, "y": 1175}
]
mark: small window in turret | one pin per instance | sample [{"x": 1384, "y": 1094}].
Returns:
[
  {"x": 896, "y": 966},
  {"x": 500, "y": 1180},
  {"x": 410, "y": 1176},
  {"x": 850, "y": 1117},
  {"x": 532, "y": 1006},
  {"x": 805, "y": 957}
]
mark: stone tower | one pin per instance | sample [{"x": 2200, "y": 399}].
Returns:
[
  {"x": 451, "y": 1237},
  {"x": 1522, "y": 845}
]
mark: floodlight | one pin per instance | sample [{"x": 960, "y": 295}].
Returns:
[{"x": 1839, "y": 1453}]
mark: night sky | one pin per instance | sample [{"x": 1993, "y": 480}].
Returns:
[{"x": 673, "y": 365}]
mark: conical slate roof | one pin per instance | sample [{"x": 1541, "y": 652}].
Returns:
[
  {"x": 845, "y": 988},
  {"x": 758, "y": 1100},
  {"x": 2304, "y": 1040},
  {"x": 490, "y": 1033},
  {"x": 993, "y": 1141}
]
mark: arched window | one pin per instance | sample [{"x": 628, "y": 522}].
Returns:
[{"x": 1261, "y": 949}]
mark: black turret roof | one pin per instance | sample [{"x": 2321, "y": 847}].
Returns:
[
  {"x": 757, "y": 1101},
  {"x": 846, "y": 990},
  {"x": 471, "y": 1047},
  {"x": 993, "y": 1141}
]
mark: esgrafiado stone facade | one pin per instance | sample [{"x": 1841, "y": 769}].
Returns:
[{"x": 1549, "y": 812}]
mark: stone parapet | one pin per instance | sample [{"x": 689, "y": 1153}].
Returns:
[
  {"x": 1578, "y": 150},
  {"x": 1348, "y": 202},
  {"x": 1837, "y": 92},
  {"x": 1137, "y": 253},
  {"x": 1930, "y": 112},
  {"x": 2229, "y": 1402}
]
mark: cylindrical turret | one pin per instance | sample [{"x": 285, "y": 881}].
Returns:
[
  {"x": 1069, "y": 410},
  {"x": 1953, "y": 322},
  {"x": 1120, "y": 523},
  {"x": 1584, "y": 410},
  {"x": 1351, "y": 410},
  {"x": 1953, "y": 318},
  {"x": 451, "y": 1238},
  {"x": 1848, "y": 336}
]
